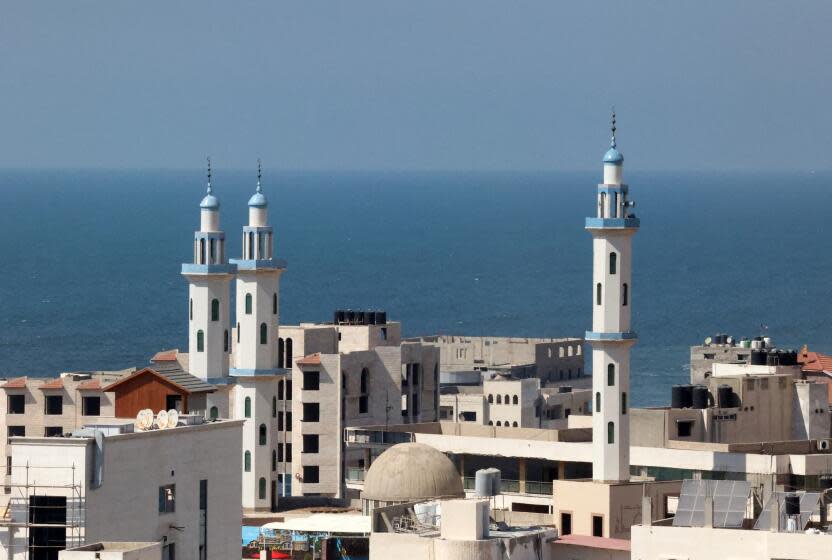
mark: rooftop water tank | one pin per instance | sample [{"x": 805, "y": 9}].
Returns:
[
  {"x": 725, "y": 396},
  {"x": 700, "y": 397},
  {"x": 487, "y": 483}
]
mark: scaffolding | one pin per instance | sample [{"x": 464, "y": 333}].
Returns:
[{"x": 23, "y": 513}]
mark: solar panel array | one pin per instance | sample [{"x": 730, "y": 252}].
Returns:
[
  {"x": 808, "y": 506},
  {"x": 730, "y": 499}
]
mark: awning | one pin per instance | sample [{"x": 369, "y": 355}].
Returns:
[{"x": 337, "y": 523}]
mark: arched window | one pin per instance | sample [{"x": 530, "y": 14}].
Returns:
[
  {"x": 262, "y": 439},
  {"x": 514, "y": 399},
  {"x": 514, "y": 424},
  {"x": 598, "y": 293},
  {"x": 215, "y": 413},
  {"x": 247, "y": 407},
  {"x": 274, "y": 304},
  {"x": 247, "y": 461},
  {"x": 570, "y": 351},
  {"x": 499, "y": 401},
  {"x": 560, "y": 352},
  {"x": 274, "y": 407},
  {"x": 365, "y": 380},
  {"x": 200, "y": 341},
  {"x": 610, "y": 433},
  {"x": 601, "y": 203},
  {"x": 507, "y": 399},
  {"x": 264, "y": 333},
  {"x": 248, "y": 304},
  {"x": 225, "y": 340},
  {"x": 611, "y": 375},
  {"x": 213, "y": 252},
  {"x": 251, "y": 245},
  {"x": 499, "y": 423},
  {"x": 238, "y": 333},
  {"x": 274, "y": 460},
  {"x": 261, "y": 488},
  {"x": 344, "y": 385},
  {"x": 280, "y": 352},
  {"x": 625, "y": 296},
  {"x": 580, "y": 351},
  {"x": 280, "y": 389},
  {"x": 215, "y": 310},
  {"x": 191, "y": 310},
  {"x": 491, "y": 398},
  {"x": 288, "y": 352},
  {"x": 623, "y": 403},
  {"x": 598, "y": 402},
  {"x": 202, "y": 251},
  {"x": 491, "y": 422},
  {"x": 613, "y": 263}
]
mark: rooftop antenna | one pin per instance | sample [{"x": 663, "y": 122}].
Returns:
[
  {"x": 209, "y": 174},
  {"x": 612, "y": 140},
  {"x": 258, "y": 174}
]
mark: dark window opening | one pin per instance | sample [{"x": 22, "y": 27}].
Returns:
[
  {"x": 311, "y": 412},
  {"x": 311, "y": 380},
  {"x": 311, "y": 474},
  {"x": 17, "y": 404},
  {"x": 167, "y": 498},
  {"x": 91, "y": 406},
  {"x": 54, "y": 404},
  {"x": 310, "y": 443},
  {"x": 566, "y": 523},
  {"x": 684, "y": 428},
  {"x": 597, "y": 526}
]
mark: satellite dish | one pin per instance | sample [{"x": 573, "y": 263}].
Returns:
[
  {"x": 162, "y": 419},
  {"x": 173, "y": 418},
  {"x": 139, "y": 423},
  {"x": 708, "y": 341},
  {"x": 148, "y": 418}
]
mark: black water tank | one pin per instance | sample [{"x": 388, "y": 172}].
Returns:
[
  {"x": 700, "y": 397},
  {"x": 772, "y": 357},
  {"x": 676, "y": 397},
  {"x": 564, "y": 389},
  {"x": 725, "y": 396},
  {"x": 758, "y": 358},
  {"x": 369, "y": 318},
  {"x": 791, "y": 504},
  {"x": 349, "y": 315},
  {"x": 687, "y": 396},
  {"x": 381, "y": 318}
]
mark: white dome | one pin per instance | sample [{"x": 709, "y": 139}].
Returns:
[{"x": 410, "y": 472}]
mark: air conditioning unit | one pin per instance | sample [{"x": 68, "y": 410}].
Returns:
[{"x": 824, "y": 444}]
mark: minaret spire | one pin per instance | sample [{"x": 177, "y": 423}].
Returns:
[
  {"x": 259, "y": 174},
  {"x": 209, "y": 175},
  {"x": 612, "y": 127}
]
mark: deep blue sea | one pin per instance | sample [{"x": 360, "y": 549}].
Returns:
[{"x": 90, "y": 259}]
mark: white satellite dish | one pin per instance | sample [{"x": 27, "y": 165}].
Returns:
[
  {"x": 148, "y": 418},
  {"x": 173, "y": 418},
  {"x": 139, "y": 423},
  {"x": 162, "y": 419}
]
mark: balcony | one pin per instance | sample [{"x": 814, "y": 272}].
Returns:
[
  {"x": 355, "y": 474},
  {"x": 357, "y": 437},
  {"x": 513, "y": 486}
]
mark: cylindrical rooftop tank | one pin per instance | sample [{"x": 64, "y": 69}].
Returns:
[
  {"x": 725, "y": 396},
  {"x": 700, "y": 397},
  {"x": 758, "y": 358},
  {"x": 487, "y": 482}
]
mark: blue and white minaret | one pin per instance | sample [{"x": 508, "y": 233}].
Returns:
[
  {"x": 611, "y": 336},
  {"x": 209, "y": 290},
  {"x": 258, "y": 293}
]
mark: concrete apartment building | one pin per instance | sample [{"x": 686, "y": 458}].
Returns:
[
  {"x": 113, "y": 484},
  {"x": 552, "y": 360},
  {"x": 502, "y": 401}
]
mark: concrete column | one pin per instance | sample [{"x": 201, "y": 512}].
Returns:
[
  {"x": 561, "y": 470},
  {"x": 646, "y": 511},
  {"x": 521, "y": 467},
  {"x": 709, "y": 511}
]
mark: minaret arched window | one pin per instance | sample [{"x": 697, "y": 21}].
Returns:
[
  {"x": 288, "y": 352},
  {"x": 623, "y": 403},
  {"x": 280, "y": 353},
  {"x": 514, "y": 399},
  {"x": 202, "y": 251},
  {"x": 602, "y": 201},
  {"x": 215, "y": 413},
  {"x": 610, "y": 432},
  {"x": 598, "y": 402},
  {"x": 213, "y": 251},
  {"x": 598, "y": 293},
  {"x": 507, "y": 400},
  {"x": 280, "y": 389},
  {"x": 625, "y": 295},
  {"x": 261, "y": 488},
  {"x": 262, "y": 432},
  {"x": 274, "y": 460},
  {"x": 613, "y": 263},
  {"x": 499, "y": 399},
  {"x": 200, "y": 341},
  {"x": 248, "y": 304},
  {"x": 225, "y": 340},
  {"x": 247, "y": 461},
  {"x": 491, "y": 398},
  {"x": 611, "y": 375},
  {"x": 264, "y": 333},
  {"x": 251, "y": 245},
  {"x": 274, "y": 304},
  {"x": 238, "y": 333},
  {"x": 191, "y": 310},
  {"x": 247, "y": 407},
  {"x": 274, "y": 407},
  {"x": 215, "y": 310}
]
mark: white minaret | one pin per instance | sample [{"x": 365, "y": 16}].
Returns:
[
  {"x": 611, "y": 336},
  {"x": 209, "y": 280},
  {"x": 258, "y": 293}
]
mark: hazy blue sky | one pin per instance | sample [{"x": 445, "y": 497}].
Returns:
[{"x": 415, "y": 85}]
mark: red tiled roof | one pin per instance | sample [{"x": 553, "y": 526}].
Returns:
[
  {"x": 17, "y": 383},
  {"x": 310, "y": 360},
  {"x": 90, "y": 385},
  {"x": 53, "y": 384},
  {"x": 814, "y": 362},
  {"x": 165, "y": 356},
  {"x": 594, "y": 542}
]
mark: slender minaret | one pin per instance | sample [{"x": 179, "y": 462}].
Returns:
[
  {"x": 209, "y": 280},
  {"x": 611, "y": 336},
  {"x": 258, "y": 293}
]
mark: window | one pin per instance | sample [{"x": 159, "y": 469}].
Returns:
[
  {"x": 288, "y": 389},
  {"x": 191, "y": 310},
  {"x": 468, "y": 416},
  {"x": 280, "y": 422},
  {"x": 514, "y": 424},
  {"x": 264, "y": 333},
  {"x": 215, "y": 310},
  {"x": 623, "y": 403},
  {"x": 499, "y": 423},
  {"x": 203, "y": 521},
  {"x": 624, "y": 294},
  {"x": 514, "y": 399},
  {"x": 310, "y": 443},
  {"x": 289, "y": 359},
  {"x": 262, "y": 434},
  {"x": 215, "y": 413},
  {"x": 16, "y": 431},
  {"x": 200, "y": 341},
  {"x": 280, "y": 390},
  {"x": 280, "y": 354},
  {"x": 365, "y": 380},
  {"x": 565, "y": 523},
  {"x": 363, "y": 404},
  {"x": 311, "y": 380},
  {"x": 274, "y": 407},
  {"x": 416, "y": 374},
  {"x": 247, "y": 407},
  {"x": 288, "y": 452},
  {"x": 17, "y": 404},
  {"x": 684, "y": 428},
  {"x": 274, "y": 460},
  {"x": 507, "y": 400},
  {"x": 53, "y": 431},
  {"x": 261, "y": 488},
  {"x": 499, "y": 399},
  {"x": 91, "y": 406},
  {"x": 311, "y": 475},
  {"x": 238, "y": 333},
  {"x": 54, "y": 404},
  {"x": 613, "y": 262},
  {"x": 598, "y": 294},
  {"x": 247, "y": 461},
  {"x": 491, "y": 398},
  {"x": 280, "y": 453},
  {"x": 610, "y": 433},
  {"x": 274, "y": 304},
  {"x": 611, "y": 375},
  {"x": 598, "y": 402},
  {"x": 597, "y": 526},
  {"x": 167, "y": 498},
  {"x": 225, "y": 340},
  {"x": 311, "y": 412},
  {"x": 248, "y": 304}
]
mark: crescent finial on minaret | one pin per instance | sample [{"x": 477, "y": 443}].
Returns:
[
  {"x": 209, "y": 174},
  {"x": 258, "y": 174},
  {"x": 612, "y": 140}
]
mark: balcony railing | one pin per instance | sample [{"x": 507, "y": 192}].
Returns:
[
  {"x": 376, "y": 437},
  {"x": 355, "y": 474},
  {"x": 543, "y": 488},
  {"x": 513, "y": 486}
]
